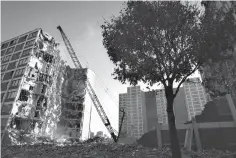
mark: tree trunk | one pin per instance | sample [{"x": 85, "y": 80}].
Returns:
[{"x": 175, "y": 148}]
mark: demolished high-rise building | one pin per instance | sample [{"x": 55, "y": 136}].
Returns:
[
  {"x": 38, "y": 91},
  {"x": 73, "y": 98}
]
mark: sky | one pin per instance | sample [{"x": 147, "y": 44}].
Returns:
[{"x": 81, "y": 22}]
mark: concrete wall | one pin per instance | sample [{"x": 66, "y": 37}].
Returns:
[
  {"x": 180, "y": 107},
  {"x": 151, "y": 110},
  {"x": 214, "y": 128},
  {"x": 219, "y": 138}
]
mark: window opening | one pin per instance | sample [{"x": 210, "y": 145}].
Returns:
[{"x": 24, "y": 95}]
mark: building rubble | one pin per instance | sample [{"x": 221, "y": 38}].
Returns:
[{"x": 105, "y": 150}]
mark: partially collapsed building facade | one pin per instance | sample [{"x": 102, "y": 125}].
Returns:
[
  {"x": 40, "y": 95},
  {"x": 73, "y": 99}
]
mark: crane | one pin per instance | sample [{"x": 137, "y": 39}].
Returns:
[{"x": 114, "y": 134}]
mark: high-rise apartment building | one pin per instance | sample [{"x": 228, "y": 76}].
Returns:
[
  {"x": 15, "y": 55},
  {"x": 39, "y": 93},
  {"x": 161, "y": 104},
  {"x": 195, "y": 97},
  {"x": 180, "y": 107},
  {"x": 188, "y": 103},
  {"x": 133, "y": 102}
]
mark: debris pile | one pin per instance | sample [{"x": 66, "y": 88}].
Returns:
[{"x": 99, "y": 148}]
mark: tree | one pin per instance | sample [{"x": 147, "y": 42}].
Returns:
[
  {"x": 155, "y": 42},
  {"x": 219, "y": 74},
  {"x": 160, "y": 42}
]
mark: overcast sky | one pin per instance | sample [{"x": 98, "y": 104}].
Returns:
[{"x": 81, "y": 22}]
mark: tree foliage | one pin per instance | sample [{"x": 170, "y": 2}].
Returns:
[
  {"x": 220, "y": 77},
  {"x": 154, "y": 42},
  {"x": 220, "y": 70}
]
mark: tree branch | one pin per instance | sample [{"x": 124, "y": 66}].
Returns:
[
  {"x": 159, "y": 56},
  {"x": 177, "y": 90}
]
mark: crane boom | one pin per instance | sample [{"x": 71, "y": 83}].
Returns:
[{"x": 90, "y": 90}]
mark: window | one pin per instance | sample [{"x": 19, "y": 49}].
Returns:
[
  {"x": 19, "y": 47},
  {"x": 22, "y": 39},
  {"x": 195, "y": 96},
  {"x": 19, "y": 72},
  {"x": 15, "y": 56},
  {"x": 195, "y": 99},
  {"x": 12, "y": 65},
  {"x": 2, "y": 95},
  {"x": 8, "y": 95},
  {"x": 13, "y": 42},
  {"x": 202, "y": 98},
  {"x": 196, "y": 102},
  {"x": 23, "y": 61},
  {"x": 11, "y": 74},
  {"x": 10, "y": 50},
  {"x": 3, "y": 52},
  {"x": 32, "y": 35},
  {"x": 2, "y": 59},
  {"x": 11, "y": 95},
  {"x": 8, "y": 75},
  {"x": 44, "y": 89},
  {"x": 6, "y": 58},
  {"x": 15, "y": 82},
  {"x": 4, "y": 45},
  {"x": 193, "y": 89},
  {"x": 26, "y": 52},
  {"x": 4, "y": 67},
  {"x": 201, "y": 95},
  {"x": 2, "y": 75},
  {"x": 29, "y": 43},
  {"x": 194, "y": 92}
]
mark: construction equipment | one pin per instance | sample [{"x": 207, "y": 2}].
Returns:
[{"x": 114, "y": 134}]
